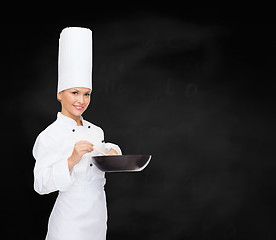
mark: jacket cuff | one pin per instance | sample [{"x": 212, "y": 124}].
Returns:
[
  {"x": 108, "y": 147},
  {"x": 62, "y": 176}
]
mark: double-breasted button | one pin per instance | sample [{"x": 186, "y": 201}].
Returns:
[
  {"x": 91, "y": 164},
  {"x": 73, "y": 130},
  {"x": 88, "y": 126}
]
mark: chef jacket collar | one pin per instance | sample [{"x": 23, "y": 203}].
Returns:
[{"x": 68, "y": 120}]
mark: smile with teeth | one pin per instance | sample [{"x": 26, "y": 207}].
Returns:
[{"x": 78, "y": 107}]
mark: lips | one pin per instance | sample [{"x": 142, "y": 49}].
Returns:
[{"x": 78, "y": 107}]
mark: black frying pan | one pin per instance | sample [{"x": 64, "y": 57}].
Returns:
[{"x": 121, "y": 163}]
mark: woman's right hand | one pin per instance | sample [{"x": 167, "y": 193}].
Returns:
[{"x": 80, "y": 149}]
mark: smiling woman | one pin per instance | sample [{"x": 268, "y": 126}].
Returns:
[
  {"x": 74, "y": 102},
  {"x": 64, "y": 150}
]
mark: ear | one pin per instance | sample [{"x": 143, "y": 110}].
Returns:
[{"x": 59, "y": 96}]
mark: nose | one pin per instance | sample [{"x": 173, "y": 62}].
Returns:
[{"x": 81, "y": 99}]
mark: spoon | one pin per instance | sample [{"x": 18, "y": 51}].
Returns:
[{"x": 99, "y": 151}]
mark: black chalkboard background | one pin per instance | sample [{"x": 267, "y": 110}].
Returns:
[{"x": 194, "y": 88}]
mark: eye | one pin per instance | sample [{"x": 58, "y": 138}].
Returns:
[
  {"x": 75, "y": 92},
  {"x": 87, "y": 94}
]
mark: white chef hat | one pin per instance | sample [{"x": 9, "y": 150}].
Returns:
[{"x": 75, "y": 58}]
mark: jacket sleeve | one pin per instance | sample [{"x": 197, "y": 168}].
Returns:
[
  {"x": 109, "y": 146},
  {"x": 51, "y": 171}
]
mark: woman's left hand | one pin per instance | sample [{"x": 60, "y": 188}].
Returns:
[{"x": 112, "y": 152}]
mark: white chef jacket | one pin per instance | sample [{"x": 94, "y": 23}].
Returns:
[{"x": 80, "y": 210}]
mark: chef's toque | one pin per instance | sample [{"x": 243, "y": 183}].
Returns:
[{"x": 75, "y": 58}]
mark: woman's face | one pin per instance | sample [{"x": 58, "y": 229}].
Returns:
[{"x": 74, "y": 101}]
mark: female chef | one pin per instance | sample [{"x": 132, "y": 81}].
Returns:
[{"x": 63, "y": 150}]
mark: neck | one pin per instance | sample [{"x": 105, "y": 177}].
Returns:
[{"x": 74, "y": 117}]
